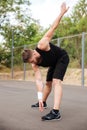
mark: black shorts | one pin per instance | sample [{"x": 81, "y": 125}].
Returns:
[{"x": 58, "y": 71}]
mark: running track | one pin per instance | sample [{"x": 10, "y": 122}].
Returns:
[{"x": 16, "y": 113}]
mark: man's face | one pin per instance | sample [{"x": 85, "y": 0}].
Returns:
[{"x": 35, "y": 57}]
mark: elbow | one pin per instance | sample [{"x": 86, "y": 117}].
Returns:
[{"x": 35, "y": 67}]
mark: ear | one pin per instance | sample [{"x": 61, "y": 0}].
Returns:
[{"x": 34, "y": 52}]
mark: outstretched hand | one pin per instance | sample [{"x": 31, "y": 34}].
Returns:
[
  {"x": 41, "y": 105},
  {"x": 64, "y": 8}
]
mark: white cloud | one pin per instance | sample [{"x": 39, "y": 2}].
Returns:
[{"x": 47, "y": 10}]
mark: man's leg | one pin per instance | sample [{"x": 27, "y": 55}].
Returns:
[
  {"x": 48, "y": 86},
  {"x": 47, "y": 90},
  {"x": 57, "y": 93},
  {"x": 58, "y": 75},
  {"x": 54, "y": 113}
]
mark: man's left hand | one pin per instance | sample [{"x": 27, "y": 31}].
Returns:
[{"x": 41, "y": 105}]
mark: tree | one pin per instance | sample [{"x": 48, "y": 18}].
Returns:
[
  {"x": 25, "y": 29},
  {"x": 79, "y": 11},
  {"x": 16, "y": 15}
]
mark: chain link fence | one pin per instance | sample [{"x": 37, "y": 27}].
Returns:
[
  {"x": 77, "y": 70},
  {"x": 75, "y": 45}
]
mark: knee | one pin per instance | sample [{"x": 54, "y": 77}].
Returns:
[
  {"x": 56, "y": 82},
  {"x": 49, "y": 83}
]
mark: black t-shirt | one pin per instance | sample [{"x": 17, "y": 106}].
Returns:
[{"x": 50, "y": 58}]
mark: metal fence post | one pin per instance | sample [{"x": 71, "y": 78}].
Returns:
[
  {"x": 24, "y": 66},
  {"x": 83, "y": 41},
  {"x": 58, "y": 42},
  {"x": 12, "y": 55}
]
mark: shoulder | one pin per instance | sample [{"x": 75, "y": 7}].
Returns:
[{"x": 43, "y": 44}]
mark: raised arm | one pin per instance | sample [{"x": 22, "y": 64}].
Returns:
[
  {"x": 44, "y": 42},
  {"x": 39, "y": 85}
]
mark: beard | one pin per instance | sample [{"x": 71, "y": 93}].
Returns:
[{"x": 38, "y": 60}]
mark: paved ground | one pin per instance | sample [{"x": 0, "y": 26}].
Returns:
[{"x": 16, "y": 113}]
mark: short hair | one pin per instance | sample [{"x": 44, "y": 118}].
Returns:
[{"x": 26, "y": 55}]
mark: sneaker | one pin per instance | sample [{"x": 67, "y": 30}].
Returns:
[
  {"x": 37, "y": 105},
  {"x": 52, "y": 116}
]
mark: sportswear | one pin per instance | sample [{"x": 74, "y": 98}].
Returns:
[
  {"x": 50, "y": 58},
  {"x": 56, "y": 59},
  {"x": 52, "y": 116}
]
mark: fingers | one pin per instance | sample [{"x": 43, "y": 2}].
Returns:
[
  {"x": 63, "y": 4},
  {"x": 64, "y": 8},
  {"x": 41, "y": 106}
]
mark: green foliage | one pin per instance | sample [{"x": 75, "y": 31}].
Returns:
[
  {"x": 5, "y": 55},
  {"x": 79, "y": 11},
  {"x": 28, "y": 31},
  {"x": 82, "y": 25}
]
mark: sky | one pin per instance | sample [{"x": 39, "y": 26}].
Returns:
[{"x": 47, "y": 10}]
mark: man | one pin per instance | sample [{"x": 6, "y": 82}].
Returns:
[{"x": 48, "y": 55}]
